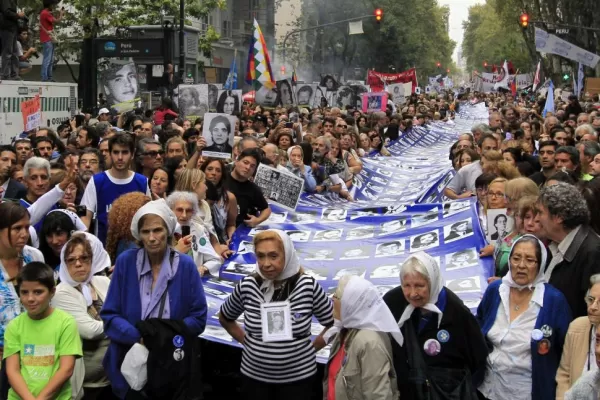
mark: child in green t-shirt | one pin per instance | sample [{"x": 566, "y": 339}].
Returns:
[{"x": 40, "y": 346}]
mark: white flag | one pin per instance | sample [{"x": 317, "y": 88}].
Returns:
[
  {"x": 503, "y": 83},
  {"x": 536, "y": 80}
]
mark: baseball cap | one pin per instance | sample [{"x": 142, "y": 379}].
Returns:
[{"x": 103, "y": 111}]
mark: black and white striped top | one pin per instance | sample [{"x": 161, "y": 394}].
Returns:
[{"x": 279, "y": 362}]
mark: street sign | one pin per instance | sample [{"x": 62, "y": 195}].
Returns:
[{"x": 111, "y": 47}]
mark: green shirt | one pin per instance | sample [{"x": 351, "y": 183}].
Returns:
[{"x": 40, "y": 344}]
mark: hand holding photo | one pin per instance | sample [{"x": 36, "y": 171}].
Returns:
[{"x": 218, "y": 131}]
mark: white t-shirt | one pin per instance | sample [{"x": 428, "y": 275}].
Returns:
[{"x": 89, "y": 196}]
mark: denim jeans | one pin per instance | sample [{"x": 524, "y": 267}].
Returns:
[
  {"x": 10, "y": 58},
  {"x": 48, "y": 60}
]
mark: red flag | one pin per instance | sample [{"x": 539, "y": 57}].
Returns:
[
  {"x": 513, "y": 86},
  {"x": 494, "y": 69},
  {"x": 511, "y": 68}
]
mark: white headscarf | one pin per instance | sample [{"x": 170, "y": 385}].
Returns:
[
  {"x": 436, "y": 284},
  {"x": 291, "y": 267},
  {"x": 540, "y": 279},
  {"x": 79, "y": 225},
  {"x": 156, "y": 207},
  {"x": 100, "y": 261},
  {"x": 363, "y": 308}
]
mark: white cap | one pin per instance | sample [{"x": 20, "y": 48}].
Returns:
[{"x": 103, "y": 111}]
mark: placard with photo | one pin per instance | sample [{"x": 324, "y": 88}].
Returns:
[
  {"x": 119, "y": 83},
  {"x": 305, "y": 94},
  {"x": 276, "y": 321},
  {"x": 462, "y": 259},
  {"x": 192, "y": 101},
  {"x": 229, "y": 102},
  {"x": 499, "y": 224},
  {"x": 282, "y": 188},
  {"x": 374, "y": 102},
  {"x": 458, "y": 230},
  {"x": 218, "y": 130}
]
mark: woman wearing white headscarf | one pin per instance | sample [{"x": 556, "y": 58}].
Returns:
[
  {"x": 278, "y": 303},
  {"x": 81, "y": 293},
  {"x": 154, "y": 281},
  {"x": 526, "y": 321},
  {"x": 296, "y": 166},
  {"x": 442, "y": 347},
  {"x": 360, "y": 363}
]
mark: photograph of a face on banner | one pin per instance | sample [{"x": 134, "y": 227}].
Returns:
[
  {"x": 120, "y": 85},
  {"x": 305, "y": 95},
  {"x": 229, "y": 102},
  {"x": 373, "y": 102},
  {"x": 345, "y": 97},
  {"x": 329, "y": 83},
  {"x": 266, "y": 97},
  {"x": 213, "y": 93},
  {"x": 218, "y": 131},
  {"x": 192, "y": 100},
  {"x": 286, "y": 93}
]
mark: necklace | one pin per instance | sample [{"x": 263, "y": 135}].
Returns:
[{"x": 517, "y": 307}]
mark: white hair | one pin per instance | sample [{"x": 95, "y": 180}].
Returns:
[
  {"x": 586, "y": 129},
  {"x": 412, "y": 266},
  {"x": 339, "y": 292},
  {"x": 594, "y": 279},
  {"x": 190, "y": 197},
  {"x": 37, "y": 163}
]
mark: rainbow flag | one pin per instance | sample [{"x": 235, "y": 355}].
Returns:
[{"x": 259, "y": 63}]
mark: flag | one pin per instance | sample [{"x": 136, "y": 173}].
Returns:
[
  {"x": 511, "y": 68},
  {"x": 580, "y": 78},
  {"x": 536, "y": 80},
  {"x": 513, "y": 86},
  {"x": 549, "y": 106},
  {"x": 294, "y": 76},
  {"x": 231, "y": 82},
  {"x": 259, "y": 64},
  {"x": 504, "y": 82}
]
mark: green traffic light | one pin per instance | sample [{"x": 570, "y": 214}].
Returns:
[{"x": 566, "y": 77}]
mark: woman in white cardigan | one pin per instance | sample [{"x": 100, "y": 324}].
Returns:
[{"x": 81, "y": 293}]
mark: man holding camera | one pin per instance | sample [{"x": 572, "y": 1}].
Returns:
[{"x": 9, "y": 24}]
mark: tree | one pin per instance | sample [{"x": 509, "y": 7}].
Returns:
[{"x": 85, "y": 18}]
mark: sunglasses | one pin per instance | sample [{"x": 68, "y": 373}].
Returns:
[{"x": 153, "y": 154}]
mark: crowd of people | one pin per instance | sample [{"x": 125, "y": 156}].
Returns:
[{"x": 110, "y": 223}]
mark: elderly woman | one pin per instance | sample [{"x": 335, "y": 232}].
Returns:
[
  {"x": 81, "y": 293},
  {"x": 360, "y": 363},
  {"x": 296, "y": 166},
  {"x": 120, "y": 216},
  {"x": 276, "y": 366},
  {"x": 154, "y": 281},
  {"x": 579, "y": 354},
  {"x": 525, "y": 320},
  {"x": 588, "y": 386},
  {"x": 195, "y": 237},
  {"x": 444, "y": 345}
]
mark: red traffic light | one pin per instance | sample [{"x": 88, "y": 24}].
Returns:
[
  {"x": 448, "y": 70},
  {"x": 524, "y": 20},
  {"x": 378, "y": 14},
  {"x": 283, "y": 69},
  {"x": 438, "y": 64}
]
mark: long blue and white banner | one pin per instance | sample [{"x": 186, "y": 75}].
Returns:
[{"x": 399, "y": 209}]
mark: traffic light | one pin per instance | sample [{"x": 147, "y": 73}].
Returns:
[
  {"x": 283, "y": 70},
  {"x": 524, "y": 20},
  {"x": 378, "y": 15},
  {"x": 438, "y": 64},
  {"x": 566, "y": 77}
]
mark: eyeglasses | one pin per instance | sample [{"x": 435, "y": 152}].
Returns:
[
  {"x": 495, "y": 195},
  {"x": 590, "y": 300},
  {"x": 517, "y": 260},
  {"x": 154, "y": 153},
  {"x": 82, "y": 260}
]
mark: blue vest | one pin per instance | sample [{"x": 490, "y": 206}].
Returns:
[
  {"x": 38, "y": 226},
  {"x": 107, "y": 192}
]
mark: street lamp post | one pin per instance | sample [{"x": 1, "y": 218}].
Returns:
[{"x": 181, "y": 41}]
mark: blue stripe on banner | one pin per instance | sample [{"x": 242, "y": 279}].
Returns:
[{"x": 399, "y": 209}]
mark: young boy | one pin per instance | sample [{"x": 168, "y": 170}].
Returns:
[{"x": 40, "y": 345}]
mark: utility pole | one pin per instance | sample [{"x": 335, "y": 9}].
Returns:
[{"x": 181, "y": 41}]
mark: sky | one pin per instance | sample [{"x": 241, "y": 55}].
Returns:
[{"x": 459, "y": 12}]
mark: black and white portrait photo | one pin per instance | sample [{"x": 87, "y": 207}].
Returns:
[
  {"x": 458, "y": 230},
  {"x": 424, "y": 241},
  {"x": 393, "y": 226},
  {"x": 386, "y": 271},
  {"x": 305, "y": 94},
  {"x": 276, "y": 324},
  {"x": 361, "y": 232},
  {"x": 424, "y": 218},
  {"x": 213, "y": 94},
  {"x": 286, "y": 93},
  {"x": 192, "y": 100},
  {"x": 320, "y": 274},
  {"x": 456, "y": 207},
  {"x": 215, "y": 292},
  {"x": 392, "y": 248},
  {"x": 334, "y": 214},
  {"x": 330, "y": 235},
  {"x": 375, "y": 188},
  {"x": 218, "y": 130},
  {"x": 120, "y": 85},
  {"x": 384, "y": 172},
  {"x": 499, "y": 224},
  {"x": 380, "y": 180},
  {"x": 276, "y": 217},
  {"x": 462, "y": 259},
  {"x": 266, "y": 97},
  {"x": 356, "y": 253},
  {"x": 464, "y": 285},
  {"x": 329, "y": 82},
  {"x": 240, "y": 269},
  {"x": 345, "y": 97},
  {"x": 354, "y": 271},
  {"x": 276, "y": 321},
  {"x": 318, "y": 254},
  {"x": 298, "y": 236},
  {"x": 304, "y": 217},
  {"x": 365, "y": 212},
  {"x": 245, "y": 247},
  {"x": 230, "y": 102}
]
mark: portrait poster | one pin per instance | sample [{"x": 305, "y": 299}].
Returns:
[
  {"x": 218, "y": 130},
  {"x": 286, "y": 93},
  {"x": 373, "y": 102},
  {"x": 119, "y": 83},
  {"x": 280, "y": 187},
  {"x": 213, "y": 93},
  {"x": 229, "y": 102},
  {"x": 345, "y": 97},
  {"x": 499, "y": 224},
  {"x": 305, "y": 94},
  {"x": 268, "y": 98},
  {"x": 400, "y": 92},
  {"x": 359, "y": 90},
  {"x": 329, "y": 82},
  {"x": 276, "y": 321},
  {"x": 192, "y": 101}
]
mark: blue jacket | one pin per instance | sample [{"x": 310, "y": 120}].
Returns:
[
  {"x": 555, "y": 313},
  {"x": 122, "y": 310}
]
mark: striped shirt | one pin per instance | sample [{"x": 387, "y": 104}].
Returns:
[{"x": 279, "y": 362}]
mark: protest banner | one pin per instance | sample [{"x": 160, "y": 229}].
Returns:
[
  {"x": 31, "y": 110},
  {"x": 378, "y": 80}
]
